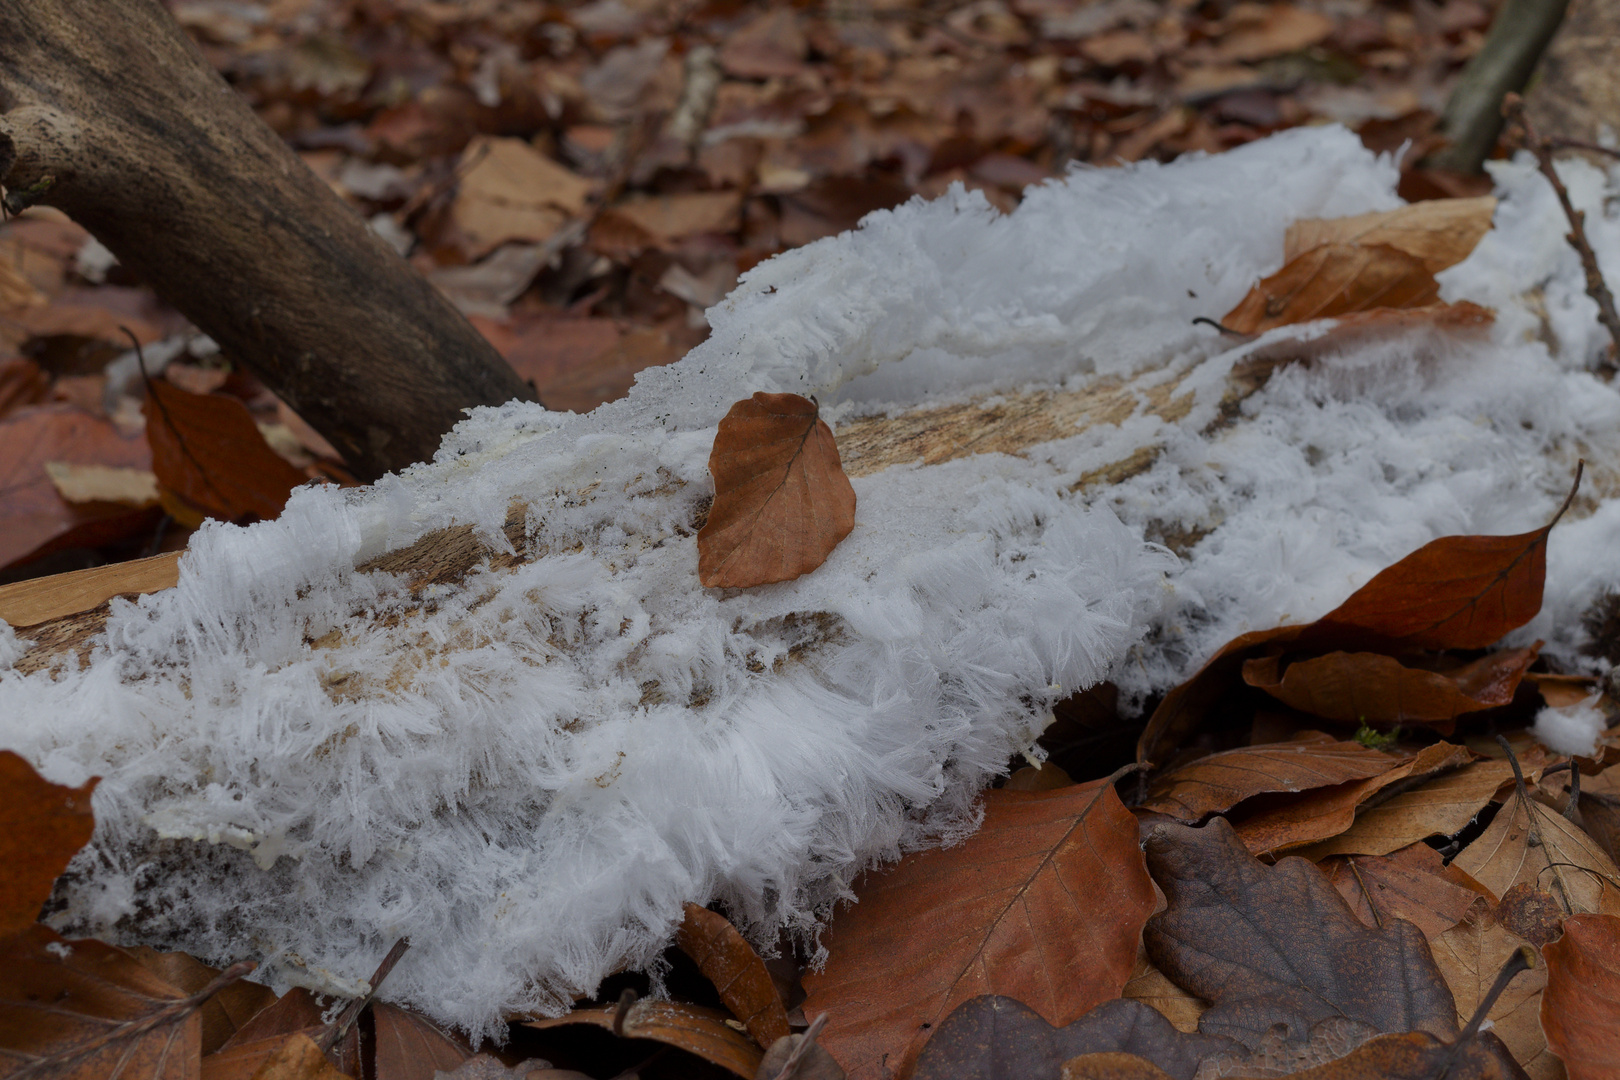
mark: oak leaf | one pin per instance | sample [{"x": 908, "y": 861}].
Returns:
[
  {"x": 42, "y": 826},
  {"x": 696, "y": 1030},
  {"x": 781, "y": 499},
  {"x": 211, "y": 460},
  {"x": 1277, "y": 945},
  {"x": 731, "y": 964},
  {"x": 1045, "y": 903},
  {"x": 1580, "y": 1009}
]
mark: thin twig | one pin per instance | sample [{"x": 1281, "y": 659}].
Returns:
[
  {"x": 803, "y": 1048},
  {"x": 621, "y": 1010},
  {"x": 1559, "y": 142},
  {"x": 340, "y": 1027},
  {"x": 1596, "y": 287}
]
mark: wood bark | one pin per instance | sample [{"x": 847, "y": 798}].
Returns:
[
  {"x": 1473, "y": 119},
  {"x": 114, "y": 117}
]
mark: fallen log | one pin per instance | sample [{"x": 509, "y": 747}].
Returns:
[{"x": 114, "y": 117}]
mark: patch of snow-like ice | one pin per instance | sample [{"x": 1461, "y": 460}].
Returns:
[{"x": 530, "y": 775}]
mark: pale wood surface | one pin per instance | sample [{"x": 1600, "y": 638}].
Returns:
[{"x": 29, "y": 603}]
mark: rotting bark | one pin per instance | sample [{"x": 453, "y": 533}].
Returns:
[
  {"x": 1518, "y": 36},
  {"x": 113, "y": 116}
]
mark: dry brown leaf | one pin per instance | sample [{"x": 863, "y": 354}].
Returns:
[
  {"x": 1259, "y": 33},
  {"x": 1372, "y": 688},
  {"x": 21, "y": 382},
  {"x": 1580, "y": 1009},
  {"x": 298, "y": 1058},
  {"x": 1441, "y": 807},
  {"x": 1327, "y": 812},
  {"x": 211, "y": 459},
  {"x": 82, "y": 1010},
  {"x": 665, "y": 218},
  {"x": 1528, "y": 843},
  {"x": 410, "y": 1047},
  {"x": 609, "y": 374},
  {"x": 814, "y": 1063},
  {"x": 1112, "y": 1066},
  {"x": 1047, "y": 777},
  {"x": 696, "y": 1030},
  {"x": 224, "y": 1013},
  {"x": 731, "y": 964},
  {"x": 1220, "y": 781},
  {"x": 1412, "y": 884},
  {"x": 1045, "y": 903},
  {"x": 781, "y": 499},
  {"x": 42, "y": 826},
  {"x": 1332, "y": 280},
  {"x": 1469, "y": 955},
  {"x": 512, "y": 192},
  {"x": 1440, "y": 232},
  {"x": 1152, "y": 987}
]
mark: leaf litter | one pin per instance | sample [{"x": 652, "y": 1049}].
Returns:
[{"x": 1395, "y": 871}]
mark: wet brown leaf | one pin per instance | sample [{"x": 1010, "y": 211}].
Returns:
[
  {"x": 1222, "y": 780},
  {"x": 42, "y": 826},
  {"x": 731, "y": 964},
  {"x": 82, "y": 1010},
  {"x": 1334, "y": 279},
  {"x": 993, "y": 1037},
  {"x": 211, "y": 460},
  {"x": 1469, "y": 955},
  {"x": 1440, "y": 232},
  {"x": 781, "y": 501},
  {"x": 1233, "y": 934},
  {"x": 1580, "y": 1009},
  {"x": 1412, "y": 883},
  {"x": 696, "y": 1030},
  {"x": 1044, "y": 903}
]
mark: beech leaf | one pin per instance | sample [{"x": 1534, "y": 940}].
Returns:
[
  {"x": 1439, "y": 232},
  {"x": 1270, "y": 945},
  {"x": 211, "y": 460},
  {"x": 1440, "y": 807},
  {"x": 1580, "y": 1009},
  {"x": 411, "y": 1047},
  {"x": 1412, "y": 884},
  {"x": 224, "y": 1013},
  {"x": 42, "y": 826},
  {"x": 1045, "y": 903},
  {"x": 737, "y": 972},
  {"x": 1372, "y": 688},
  {"x": 781, "y": 499},
  {"x": 1334, "y": 279},
  {"x": 1469, "y": 955},
  {"x": 1220, "y": 781}
]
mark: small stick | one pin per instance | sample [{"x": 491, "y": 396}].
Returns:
[
  {"x": 1558, "y": 142},
  {"x": 620, "y": 1011},
  {"x": 1596, "y": 287},
  {"x": 809, "y": 1037},
  {"x": 340, "y": 1027}
]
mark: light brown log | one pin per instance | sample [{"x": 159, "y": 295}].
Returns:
[{"x": 113, "y": 116}]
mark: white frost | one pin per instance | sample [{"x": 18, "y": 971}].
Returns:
[
  {"x": 529, "y": 776},
  {"x": 1570, "y": 729}
]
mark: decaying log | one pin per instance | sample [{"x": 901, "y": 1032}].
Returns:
[
  {"x": 114, "y": 117},
  {"x": 63, "y": 615}
]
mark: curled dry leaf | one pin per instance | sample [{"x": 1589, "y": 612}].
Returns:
[
  {"x": 1270, "y": 945},
  {"x": 1442, "y": 806},
  {"x": 1334, "y": 279},
  {"x": 1469, "y": 955},
  {"x": 1439, "y": 232},
  {"x": 1580, "y": 1010},
  {"x": 731, "y": 964},
  {"x": 1220, "y": 781},
  {"x": 1373, "y": 688},
  {"x": 991, "y": 1037},
  {"x": 781, "y": 499},
  {"x": 210, "y": 458},
  {"x": 1326, "y": 812},
  {"x": 696, "y": 1030},
  {"x": 42, "y": 826},
  {"x": 1044, "y": 903}
]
